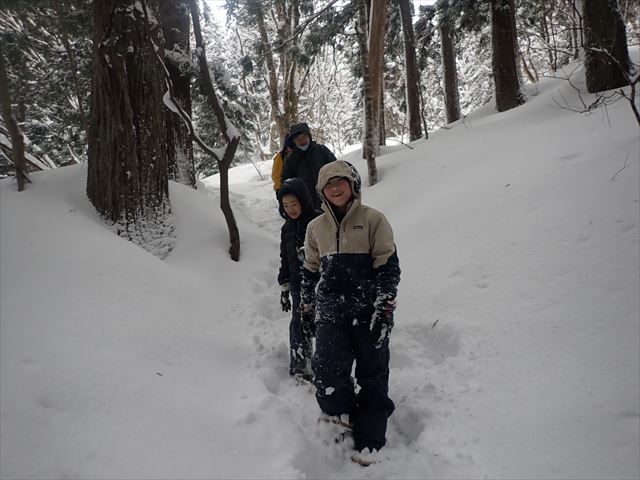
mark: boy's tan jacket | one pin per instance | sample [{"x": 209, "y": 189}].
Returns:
[
  {"x": 349, "y": 265},
  {"x": 363, "y": 230}
]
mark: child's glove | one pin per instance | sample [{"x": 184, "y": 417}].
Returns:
[
  {"x": 285, "y": 302},
  {"x": 382, "y": 321},
  {"x": 307, "y": 320}
]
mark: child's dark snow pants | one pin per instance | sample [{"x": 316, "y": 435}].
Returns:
[
  {"x": 300, "y": 346},
  {"x": 337, "y": 346}
]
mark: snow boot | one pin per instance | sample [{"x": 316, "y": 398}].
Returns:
[{"x": 366, "y": 457}]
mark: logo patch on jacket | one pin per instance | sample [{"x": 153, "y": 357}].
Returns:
[{"x": 358, "y": 227}]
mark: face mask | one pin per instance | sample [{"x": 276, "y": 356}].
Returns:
[{"x": 303, "y": 147}]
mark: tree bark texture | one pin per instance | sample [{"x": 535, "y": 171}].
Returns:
[
  {"x": 369, "y": 129},
  {"x": 411, "y": 71},
  {"x": 17, "y": 138},
  {"x": 382, "y": 126},
  {"x": 450, "y": 74},
  {"x": 377, "y": 28},
  {"x": 175, "y": 21},
  {"x": 505, "y": 72},
  {"x": 273, "y": 82},
  {"x": 127, "y": 178},
  {"x": 230, "y": 136},
  {"x": 288, "y": 17},
  {"x": 606, "y": 54},
  {"x": 285, "y": 100}
]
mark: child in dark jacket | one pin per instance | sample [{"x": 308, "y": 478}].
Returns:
[
  {"x": 349, "y": 285},
  {"x": 297, "y": 209}
]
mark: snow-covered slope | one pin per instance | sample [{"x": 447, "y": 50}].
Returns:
[{"x": 517, "y": 339}]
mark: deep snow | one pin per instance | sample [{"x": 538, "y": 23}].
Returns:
[{"x": 517, "y": 339}]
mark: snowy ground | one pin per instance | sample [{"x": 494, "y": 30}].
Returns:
[{"x": 517, "y": 340}]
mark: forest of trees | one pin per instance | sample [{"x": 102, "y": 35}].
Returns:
[{"x": 149, "y": 91}]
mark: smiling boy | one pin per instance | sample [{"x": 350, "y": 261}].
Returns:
[{"x": 349, "y": 284}]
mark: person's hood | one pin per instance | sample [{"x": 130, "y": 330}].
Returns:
[
  {"x": 288, "y": 142},
  {"x": 339, "y": 168},
  {"x": 295, "y": 186},
  {"x": 298, "y": 128}
]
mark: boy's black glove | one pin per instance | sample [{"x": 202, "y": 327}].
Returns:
[
  {"x": 307, "y": 314},
  {"x": 285, "y": 302},
  {"x": 382, "y": 321}
]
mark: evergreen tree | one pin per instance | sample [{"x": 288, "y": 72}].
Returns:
[
  {"x": 450, "y": 73},
  {"x": 242, "y": 96},
  {"x": 48, "y": 51},
  {"x": 503, "y": 41},
  {"x": 607, "y": 58},
  {"x": 175, "y": 21},
  {"x": 127, "y": 178},
  {"x": 412, "y": 77}
]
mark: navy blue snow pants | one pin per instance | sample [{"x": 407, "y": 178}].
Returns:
[
  {"x": 337, "y": 347},
  {"x": 299, "y": 345}
]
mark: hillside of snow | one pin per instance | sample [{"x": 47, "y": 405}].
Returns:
[{"x": 516, "y": 351}]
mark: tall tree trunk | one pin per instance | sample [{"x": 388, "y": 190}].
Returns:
[
  {"x": 547, "y": 37},
  {"x": 369, "y": 129},
  {"x": 377, "y": 29},
  {"x": 606, "y": 54},
  {"x": 516, "y": 47},
  {"x": 411, "y": 71},
  {"x": 17, "y": 138},
  {"x": 375, "y": 36},
  {"x": 288, "y": 15},
  {"x": 505, "y": 73},
  {"x": 450, "y": 81},
  {"x": 231, "y": 136},
  {"x": 80, "y": 98},
  {"x": 577, "y": 25},
  {"x": 127, "y": 169},
  {"x": 423, "y": 117},
  {"x": 284, "y": 101},
  {"x": 274, "y": 91},
  {"x": 382, "y": 127},
  {"x": 175, "y": 25}
]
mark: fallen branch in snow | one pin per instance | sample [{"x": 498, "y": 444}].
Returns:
[
  {"x": 625, "y": 165},
  {"x": 603, "y": 99}
]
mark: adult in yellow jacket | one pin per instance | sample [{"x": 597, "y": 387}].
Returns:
[{"x": 278, "y": 161}]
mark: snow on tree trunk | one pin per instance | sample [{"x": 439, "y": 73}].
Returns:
[
  {"x": 505, "y": 72},
  {"x": 175, "y": 24},
  {"x": 606, "y": 54},
  {"x": 229, "y": 132},
  {"x": 127, "y": 179}
]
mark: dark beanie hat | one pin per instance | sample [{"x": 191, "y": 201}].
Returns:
[{"x": 299, "y": 128}]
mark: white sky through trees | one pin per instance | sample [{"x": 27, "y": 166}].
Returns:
[{"x": 217, "y": 8}]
